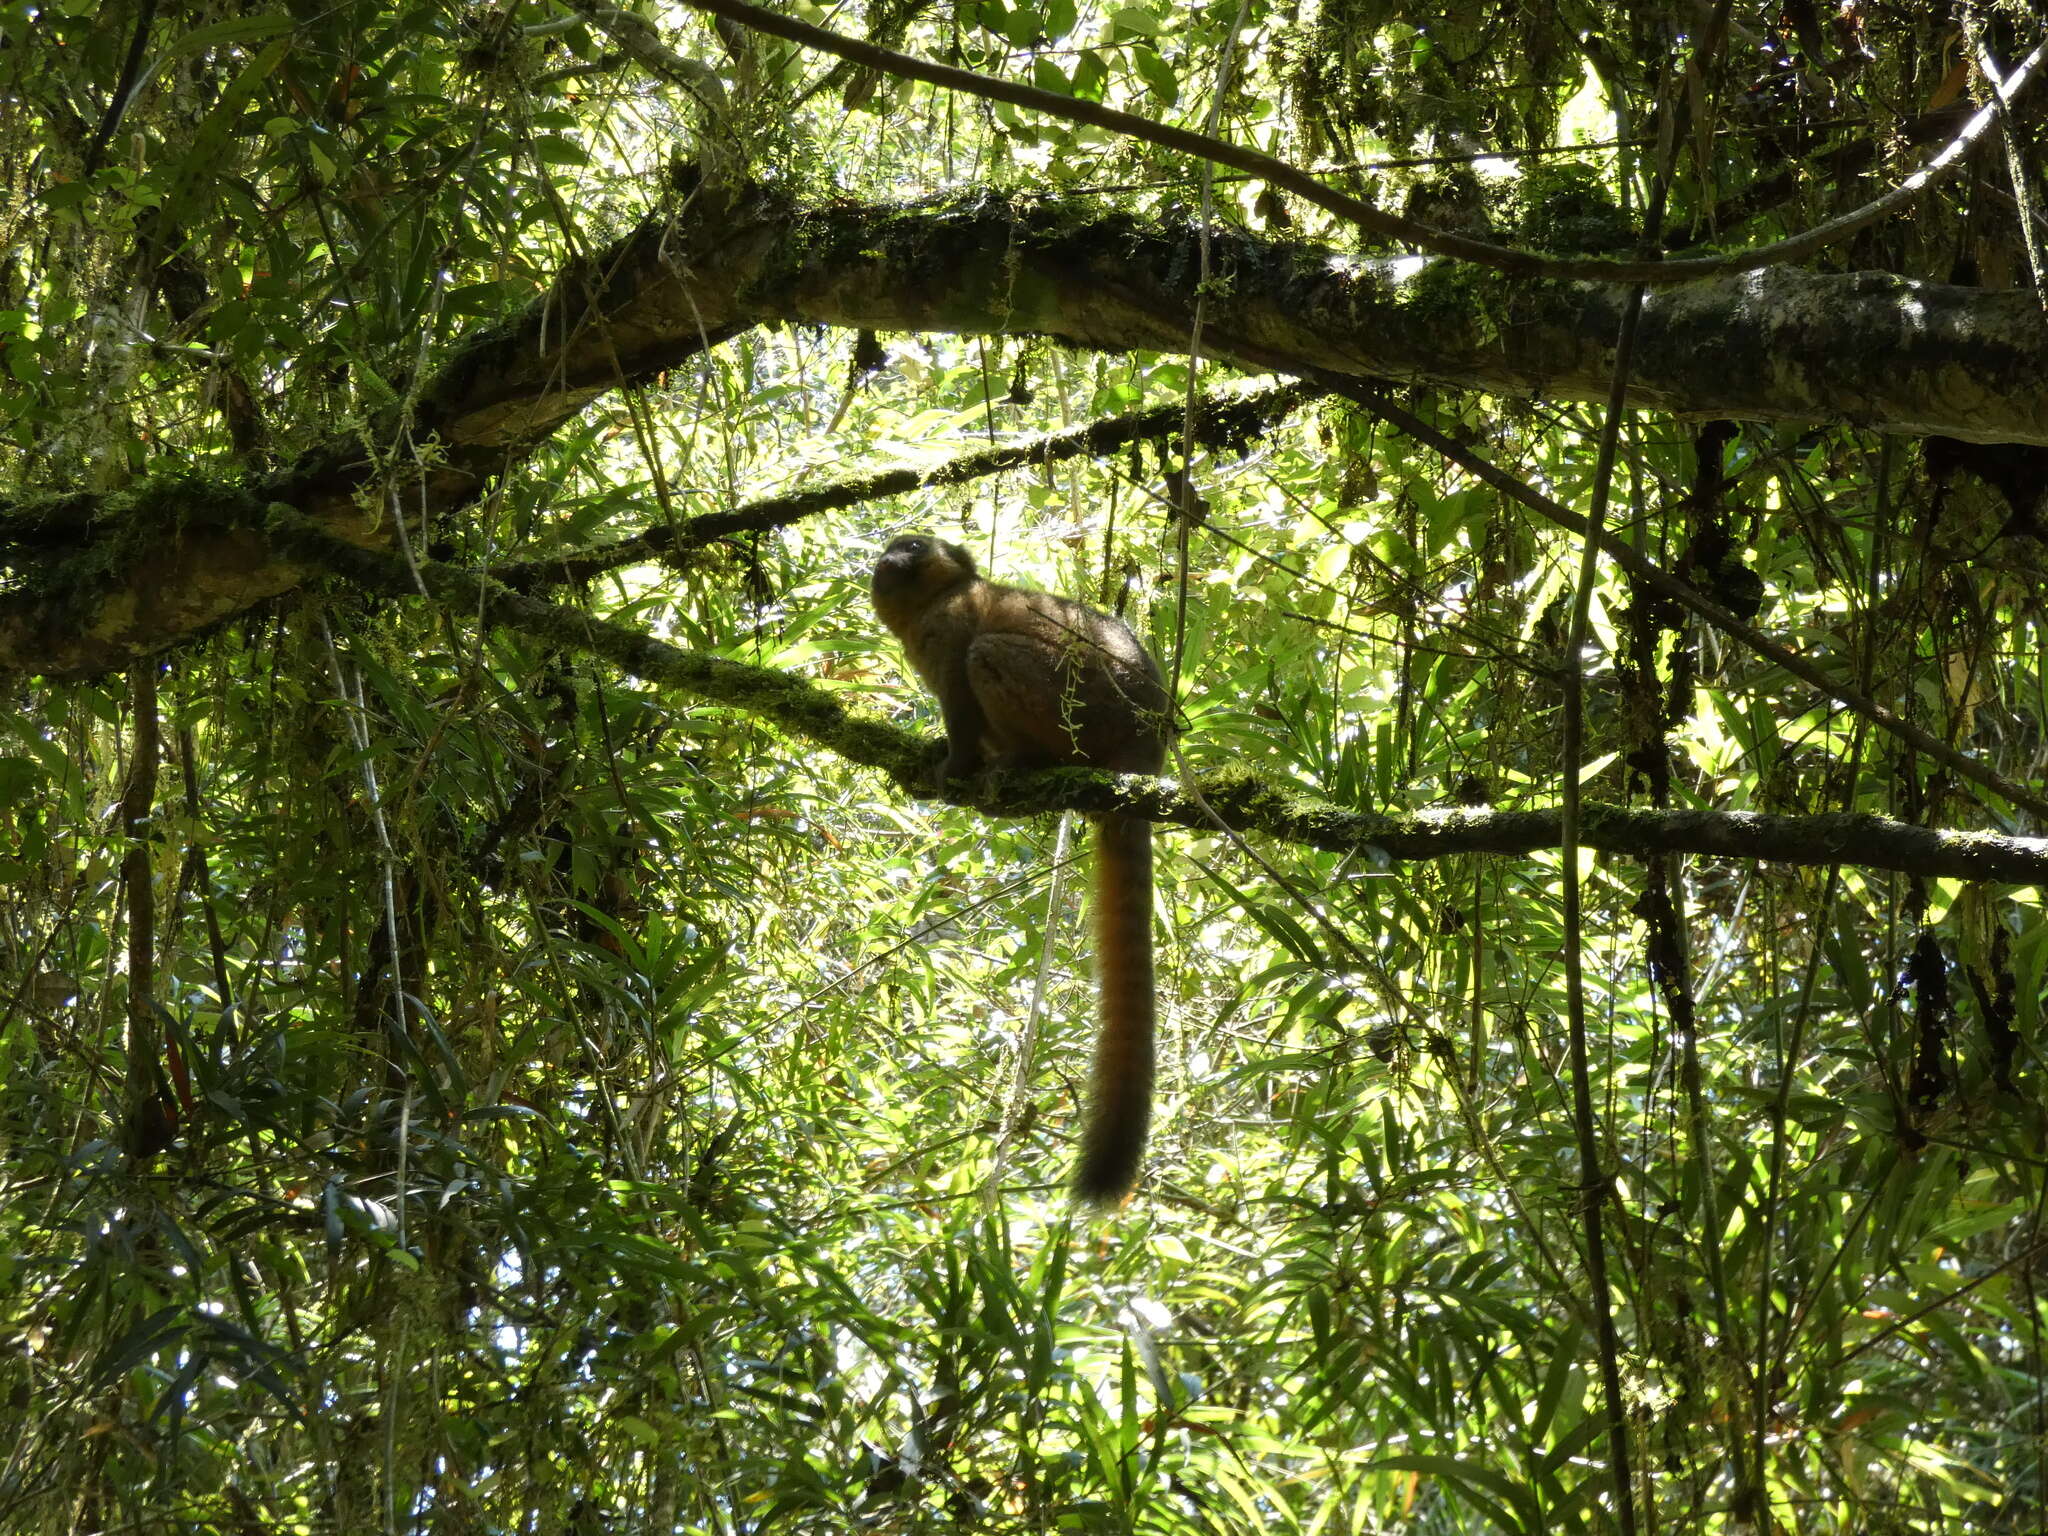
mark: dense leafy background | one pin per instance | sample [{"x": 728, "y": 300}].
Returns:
[{"x": 692, "y": 1193}]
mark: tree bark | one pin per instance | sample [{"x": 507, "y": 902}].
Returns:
[{"x": 106, "y": 580}]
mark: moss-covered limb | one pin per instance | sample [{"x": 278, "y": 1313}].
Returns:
[
  {"x": 1779, "y": 345},
  {"x": 1863, "y": 841},
  {"x": 1787, "y": 345},
  {"x": 94, "y": 583},
  {"x": 1249, "y": 804},
  {"x": 1221, "y": 420},
  {"x": 1295, "y": 815}
]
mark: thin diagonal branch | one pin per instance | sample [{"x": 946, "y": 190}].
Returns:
[
  {"x": 1420, "y": 237},
  {"x": 1221, "y": 418}
]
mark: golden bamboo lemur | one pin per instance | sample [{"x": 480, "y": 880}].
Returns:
[{"x": 1031, "y": 680}]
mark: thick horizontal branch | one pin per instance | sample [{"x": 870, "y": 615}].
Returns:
[
  {"x": 103, "y": 581},
  {"x": 1868, "y": 348},
  {"x": 1245, "y": 802}
]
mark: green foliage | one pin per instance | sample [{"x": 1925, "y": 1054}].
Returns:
[
  {"x": 601, "y": 1110},
  {"x": 1566, "y": 206}
]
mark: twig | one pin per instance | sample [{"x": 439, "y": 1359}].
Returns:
[{"x": 1377, "y": 220}]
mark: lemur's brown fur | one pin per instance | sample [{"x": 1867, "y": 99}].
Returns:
[{"x": 1032, "y": 680}]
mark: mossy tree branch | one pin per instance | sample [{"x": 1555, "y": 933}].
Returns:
[
  {"x": 825, "y": 718},
  {"x": 103, "y": 582}
]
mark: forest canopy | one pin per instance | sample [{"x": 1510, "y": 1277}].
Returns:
[{"x": 503, "y": 1031}]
